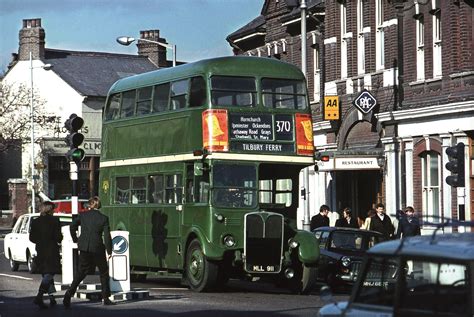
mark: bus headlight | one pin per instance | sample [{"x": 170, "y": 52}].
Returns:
[
  {"x": 289, "y": 273},
  {"x": 346, "y": 261},
  {"x": 293, "y": 244},
  {"x": 229, "y": 241}
]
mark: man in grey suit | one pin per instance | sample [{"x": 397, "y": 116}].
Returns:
[{"x": 91, "y": 247}]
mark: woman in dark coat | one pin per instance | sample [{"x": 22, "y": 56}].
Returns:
[{"x": 46, "y": 234}]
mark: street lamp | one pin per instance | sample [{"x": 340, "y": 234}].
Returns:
[
  {"x": 46, "y": 67},
  {"x": 127, "y": 40}
]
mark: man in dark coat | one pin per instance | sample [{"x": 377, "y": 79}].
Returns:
[
  {"x": 321, "y": 219},
  {"x": 93, "y": 224},
  {"x": 409, "y": 225},
  {"x": 347, "y": 221},
  {"x": 46, "y": 234},
  {"x": 382, "y": 223}
]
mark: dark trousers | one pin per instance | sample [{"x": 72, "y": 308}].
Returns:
[
  {"x": 47, "y": 284},
  {"x": 87, "y": 263}
]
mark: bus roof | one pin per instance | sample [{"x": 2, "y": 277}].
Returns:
[{"x": 236, "y": 65}]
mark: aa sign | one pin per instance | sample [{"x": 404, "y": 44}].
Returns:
[{"x": 331, "y": 108}]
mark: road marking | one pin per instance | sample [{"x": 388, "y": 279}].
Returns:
[{"x": 16, "y": 276}]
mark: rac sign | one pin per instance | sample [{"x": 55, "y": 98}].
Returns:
[{"x": 365, "y": 102}]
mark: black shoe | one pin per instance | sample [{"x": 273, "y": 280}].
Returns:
[
  {"x": 67, "y": 299},
  {"x": 39, "y": 301},
  {"x": 108, "y": 302},
  {"x": 52, "y": 302}
]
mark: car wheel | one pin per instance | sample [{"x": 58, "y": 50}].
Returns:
[
  {"x": 14, "y": 265},
  {"x": 201, "y": 273},
  {"x": 31, "y": 264}
]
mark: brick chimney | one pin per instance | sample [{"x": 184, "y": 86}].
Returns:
[
  {"x": 31, "y": 40},
  {"x": 154, "y": 52}
]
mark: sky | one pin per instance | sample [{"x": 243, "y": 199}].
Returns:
[{"x": 198, "y": 28}]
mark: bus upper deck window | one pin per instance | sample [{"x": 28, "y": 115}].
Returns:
[
  {"x": 161, "y": 97},
  {"x": 197, "y": 97},
  {"x": 143, "y": 101},
  {"x": 179, "y": 90},
  {"x": 283, "y": 93},
  {"x": 128, "y": 104},
  {"x": 113, "y": 107},
  {"x": 233, "y": 91}
]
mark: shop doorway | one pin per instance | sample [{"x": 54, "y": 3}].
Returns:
[{"x": 359, "y": 190}]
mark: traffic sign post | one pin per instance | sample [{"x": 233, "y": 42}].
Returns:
[{"x": 119, "y": 263}]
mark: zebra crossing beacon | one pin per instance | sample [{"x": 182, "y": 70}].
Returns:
[{"x": 201, "y": 164}]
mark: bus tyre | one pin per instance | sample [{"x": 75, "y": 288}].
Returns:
[
  {"x": 200, "y": 272},
  {"x": 304, "y": 280}
]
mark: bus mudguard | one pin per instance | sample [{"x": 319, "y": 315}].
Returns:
[
  {"x": 210, "y": 250},
  {"x": 308, "y": 247}
]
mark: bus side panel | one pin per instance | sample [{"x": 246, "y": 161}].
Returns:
[
  {"x": 154, "y": 136},
  {"x": 163, "y": 234}
]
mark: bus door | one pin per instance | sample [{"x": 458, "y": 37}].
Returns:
[
  {"x": 196, "y": 203},
  {"x": 166, "y": 193}
]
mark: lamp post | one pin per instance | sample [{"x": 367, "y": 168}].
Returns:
[
  {"x": 32, "y": 122},
  {"x": 305, "y": 191},
  {"x": 127, "y": 40}
]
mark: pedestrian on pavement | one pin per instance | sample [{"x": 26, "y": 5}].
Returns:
[
  {"x": 366, "y": 224},
  {"x": 321, "y": 219},
  {"x": 408, "y": 225},
  {"x": 347, "y": 221},
  {"x": 382, "y": 223},
  {"x": 46, "y": 234},
  {"x": 91, "y": 247}
]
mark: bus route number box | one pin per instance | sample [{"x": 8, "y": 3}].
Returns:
[{"x": 119, "y": 263}]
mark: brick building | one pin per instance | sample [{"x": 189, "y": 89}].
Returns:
[{"x": 421, "y": 74}]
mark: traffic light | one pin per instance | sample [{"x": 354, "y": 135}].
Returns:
[
  {"x": 455, "y": 165},
  {"x": 74, "y": 138}
]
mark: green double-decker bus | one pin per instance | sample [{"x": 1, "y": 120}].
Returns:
[{"x": 201, "y": 164}]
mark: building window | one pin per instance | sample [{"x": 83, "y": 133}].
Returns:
[
  {"x": 431, "y": 176},
  {"x": 379, "y": 35},
  {"x": 437, "y": 67},
  {"x": 360, "y": 38},
  {"x": 343, "y": 12},
  {"x": 420, "y": 48},
  {"x": 317, "y": 74}
]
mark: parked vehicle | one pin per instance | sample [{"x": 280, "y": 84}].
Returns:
[
  {"x": 418, "y": 276},
  {"x": 65, "y": 206},
  {"x": 17, "y": 245},
  {"x": 341, "y": 252}
]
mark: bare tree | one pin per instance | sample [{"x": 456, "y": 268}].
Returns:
[{"x": 15, "y": 116}]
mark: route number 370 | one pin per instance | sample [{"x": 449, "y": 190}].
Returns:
[{"x": 283, "y": 126}]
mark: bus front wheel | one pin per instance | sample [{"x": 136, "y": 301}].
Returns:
[{"x": 200, "y": 272}]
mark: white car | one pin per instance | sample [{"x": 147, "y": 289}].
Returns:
[{"x": 18, "y": 247}]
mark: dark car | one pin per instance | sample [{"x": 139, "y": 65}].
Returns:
[
  {"x": 341, "y": 253},
  {"x": 419, "y": 276}
]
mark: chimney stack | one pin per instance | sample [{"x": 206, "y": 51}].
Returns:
[
  {"x": 31, "y": 40},
  {"x": 154, "y": 52}
]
